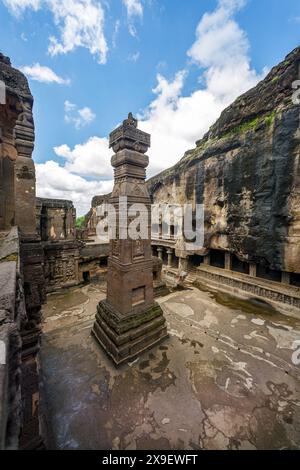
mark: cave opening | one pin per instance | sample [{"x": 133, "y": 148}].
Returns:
[
  {"x": 195, "y": 261},
  {"x": 295, "y": 279},
  {"x": 264, "y": 272},
  {"x": 238, "y": 265},
  {"x": 217, "y": 258}
]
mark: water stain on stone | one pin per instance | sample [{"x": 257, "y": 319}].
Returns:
[
  {"x": 254, "y": 306},
  {"x": 162, "y": 365},
  {"x": 64, "y": 301}
]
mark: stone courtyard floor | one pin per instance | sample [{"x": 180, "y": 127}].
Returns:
[{"x": 224, "y": 379}]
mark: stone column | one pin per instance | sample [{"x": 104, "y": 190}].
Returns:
[
  {"x": 252, "y": 269},
  {"x": 183, "y": 264},
  {"x": 129, "y": 321},
  {"x": 286, "y": 277},
  {"x": 25, "y": 171},
  {"x": 160, "y": 252},
  {"x": 228, "y": 264},
  {"x": 206, "y": 260},
  {"x": 170, "y": 257}
]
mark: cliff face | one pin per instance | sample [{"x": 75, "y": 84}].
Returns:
[{"x": 246, "y": 172}]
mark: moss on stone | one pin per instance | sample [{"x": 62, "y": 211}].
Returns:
[
  {"x": 140, "y": 319},
  {"x": 11, "y": 257},
  {"x": 270, "y": 118},
  {"x": 251, "y": 125}
]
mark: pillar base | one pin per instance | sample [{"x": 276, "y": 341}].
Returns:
[{"x": 124, "y": 338}]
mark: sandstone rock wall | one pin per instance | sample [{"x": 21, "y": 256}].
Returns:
[
  {"x": 17, "y": 172},
  {"x": 22, "y": 289},
  {"x": 246, "y": 172},
  {"x": 55, "y": 219}
]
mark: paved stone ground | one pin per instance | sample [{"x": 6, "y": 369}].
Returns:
[{"x": 224, "y": 379}]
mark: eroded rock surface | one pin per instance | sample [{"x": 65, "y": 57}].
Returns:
[{"x": 246, "y": 172}]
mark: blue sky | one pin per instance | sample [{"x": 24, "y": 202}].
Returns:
[{"x": 176, "y": 64}]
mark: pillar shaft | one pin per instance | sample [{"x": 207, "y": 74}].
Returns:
[
  {"x": 228, "y": 263},
  {"x": 170, "y": 257},
  {"x": 252, "y": 269},
  {"x": 285, "y": 277}
]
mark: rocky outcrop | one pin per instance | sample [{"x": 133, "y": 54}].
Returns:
[{"x": 246, "y": 172}]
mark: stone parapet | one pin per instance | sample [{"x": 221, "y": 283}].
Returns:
[{"x": 257, "y": 287}]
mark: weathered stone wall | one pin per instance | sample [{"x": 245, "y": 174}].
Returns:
[
  {"x": 55, "y": 224},
  {"x": 22, "y": 288},
  {"x": 55, "y": 219},
  {"x": 17, "y": 173},
  {"x": 246, "y": 172},
  {"x": 12, "y": 313},
  {"x": 19, "y": 398},
  {"x": 61, "y": 264},
  {"x": 91, "y": 218}
]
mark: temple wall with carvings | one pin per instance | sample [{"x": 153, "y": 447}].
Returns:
[{"x": 22, "y": 283}]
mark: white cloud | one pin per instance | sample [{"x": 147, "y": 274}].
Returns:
[
  {"x": 90, "y": 159},
  {"x": 79, "y": 117},
  {"x": 18, "y": 6},
  {"x": 55, "y": 181},
  {"x": 80, "y": 23},
  {"x": 134, "y": 10},
  {"x": 115, "y": 33},
  {"x": 67, "y": 180},
  {"x": 43, "y": 74},
  {"x": 176, "y": 121},
  {"x": 24, "y": 37},
  {"x": 134, "y": 57}
]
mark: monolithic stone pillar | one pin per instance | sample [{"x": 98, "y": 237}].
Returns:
[
  {"x": 160, "y": 252},
  {"x": 129, "y": 322},
  {"x": 25, "y": 171},
  {"x": 228, "y": 264},
  {"x": 285, "y": 277},
  {"x": 170, "y": 257},
  {"x": 206, "y": 260},
  {"x": 252, "y": 269},
  {"x": 183, "y": 264}
]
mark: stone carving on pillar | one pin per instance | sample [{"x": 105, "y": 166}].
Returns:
[
  {"x": 170, "y": 257},
  {"x": 129, "y": 321}
]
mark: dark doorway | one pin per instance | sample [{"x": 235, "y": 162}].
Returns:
[
  {"x": 195, "y": 261},
  {"x": 86, "y": 276},
  {"x": 103, "y": 262},
  {"x": 295, "y": 279},
  {"x": 217, "y": 258},
  {"x": 267, "y": 273},
  {"x": 239, "y": 266}
]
